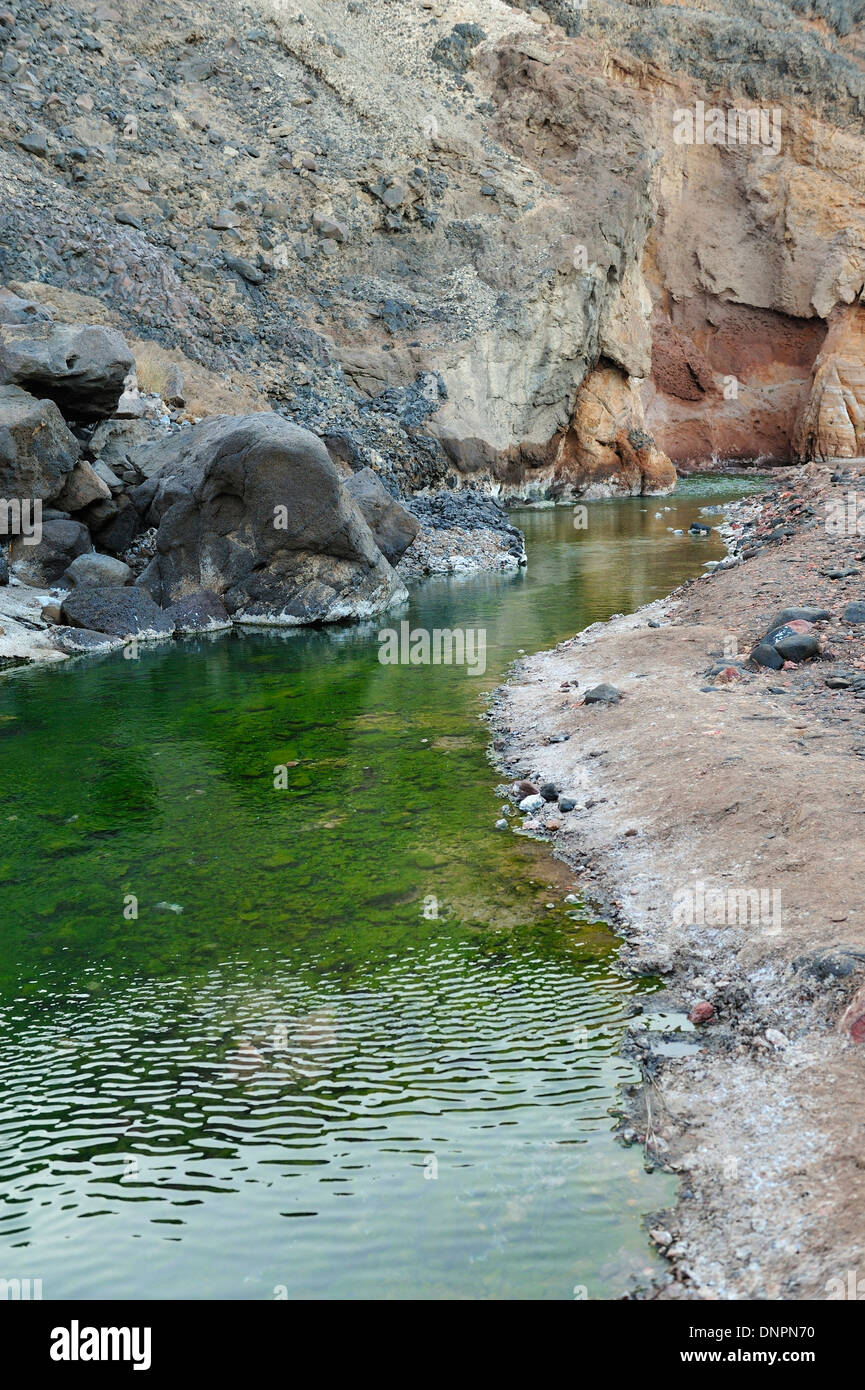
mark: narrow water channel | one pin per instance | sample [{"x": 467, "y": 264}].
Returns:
[{"x": 354, "y": 1043}]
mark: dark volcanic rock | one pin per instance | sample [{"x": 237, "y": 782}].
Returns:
[
  {"x": 252, "y": 508},
  {"x": 854, "y": 613},
  {"x": 603, "y": 694},
  {"x": 75, "y": 641},
  {"x": 808, "y": 614},
  {"x": 44, "y": 563},
  {"x": 81, "y": 369},
  {"x": 116, "y": 533},
  {"x": 831, "y": 962},
  {"x": 121, "y": 612},
  {"x": 393, "y": 527},
  {"x": 200, "y": 612},
  {"x": 766, "y": 655},
  {"x": 37, "y": 451},
  {"x": 799, "y": 646},
  {"x": 454, "y": 50}
]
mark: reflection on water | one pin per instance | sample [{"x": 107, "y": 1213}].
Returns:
[{"x": 326, "y": 1041}]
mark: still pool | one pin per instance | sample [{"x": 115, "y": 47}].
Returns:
[{"x": 338, "y": 1039}]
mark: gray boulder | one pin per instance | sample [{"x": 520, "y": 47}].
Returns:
[
  {"x": 109, "y": 477},
  {"x": 14, "y": 309},
  {"x": 252, "y": 508},
  {"x": 121, "y": 612},
  {"x": 37, "y": 451},
  {"x": 80, "y": 368},
  {"x": 603, "y": 694},
  {"x": 393, "y": 527},
  {"x": 244, "y": 268},
  {"x": 98, "y": 571},
  {"x": 60, "y": 544},
  {"x": 82, "y": 487}
]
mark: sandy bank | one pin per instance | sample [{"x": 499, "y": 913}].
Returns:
[{"x": 753, "y": 789}]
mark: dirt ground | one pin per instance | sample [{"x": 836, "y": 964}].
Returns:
[{"x": 748, "y": 788}]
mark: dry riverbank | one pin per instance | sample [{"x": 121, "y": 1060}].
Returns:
[{"x": 750, "y": 784}]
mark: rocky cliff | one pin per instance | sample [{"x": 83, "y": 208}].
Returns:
[{"x": 538, "y": 251}]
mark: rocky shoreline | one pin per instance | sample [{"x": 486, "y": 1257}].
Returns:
[
  {"x": 125, "y": 522},
  {"x": 716, "y": 819}
]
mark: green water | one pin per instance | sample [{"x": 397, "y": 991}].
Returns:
[{"x": 366, "y": 1058}]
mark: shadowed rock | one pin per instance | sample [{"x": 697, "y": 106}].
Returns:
[
  {"x": 81, "y": 369},
  {"x": 60, "y": 544},
  {"x": 78, "y": 641},
  {"x": 392, "y": 526},
  {"x": 201, "y": 612}
]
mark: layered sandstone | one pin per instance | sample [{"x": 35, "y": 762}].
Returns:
[{"x": 833, "y": 423}]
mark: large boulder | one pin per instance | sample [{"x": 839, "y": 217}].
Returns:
[
  {"x": 80, "y": 368},
  {"x": 37, "y": 451},
  {"x": 44, "y": 563},
  {"x": 97, "y": 571},
  {"x": 121, "y": 612},
  {"x": 252, "y": 508},
  {"x": 392, "y": 526}
]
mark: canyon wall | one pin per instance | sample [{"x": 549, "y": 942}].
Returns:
[{"x": 464, "y": 243}]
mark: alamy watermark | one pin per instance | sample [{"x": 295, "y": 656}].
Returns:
[
  {"x": 845, "y": 516},
  {"x": 20, "y": 1290},
  {"x": 21, "y": 516},
  {"x": 754, "y": 126},
  {"x": 421, "y": 646},
  {"x": 700, "y": 906},
  {"x": 848, "y": 1287}
]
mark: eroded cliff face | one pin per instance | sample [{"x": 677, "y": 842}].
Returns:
[
  {"x": 464, "y": 243},
  {"x": 753, "y": 255}
]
